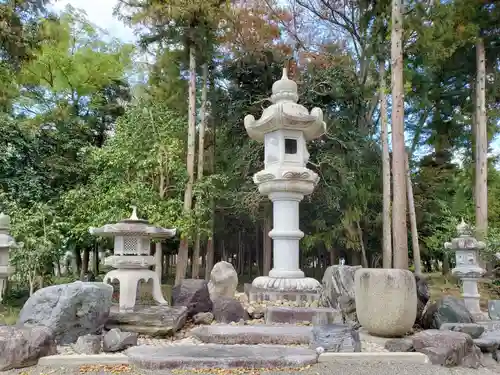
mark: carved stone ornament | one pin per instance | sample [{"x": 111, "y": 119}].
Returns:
[
  {"x": 265, "y": 177},
  {"x": 296, "y": 175}
]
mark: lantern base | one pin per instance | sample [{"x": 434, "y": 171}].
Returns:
[
  {"x": 129, "y": 280},
  {"x": 265, "y": 288}
]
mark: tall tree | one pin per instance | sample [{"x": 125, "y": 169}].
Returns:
[
  {"x": 400, "y": 234},
  {"x": 386, "y": 173},
  {"x": 481, "y": 138}
]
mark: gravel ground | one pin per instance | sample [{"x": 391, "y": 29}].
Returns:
[{"x": 320, "y": 369}]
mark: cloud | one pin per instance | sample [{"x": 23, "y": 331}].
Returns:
[{"x": 100, "y": 13}]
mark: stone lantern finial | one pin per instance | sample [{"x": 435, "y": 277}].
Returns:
[
  {"x": 284, "y": 89},
  {"x": 133, "y": 216},
  {"x": 463, "y": 229}
]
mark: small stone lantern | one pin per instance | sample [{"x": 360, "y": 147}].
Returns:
[
  {"x": 285, "y": 127},
  {"x": 131, "y": 258},
  {"x": 6, "y": 243},
  {"x": 466, "y": 250}
]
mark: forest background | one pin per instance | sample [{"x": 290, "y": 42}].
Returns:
[{"x": 91, "y": 125}]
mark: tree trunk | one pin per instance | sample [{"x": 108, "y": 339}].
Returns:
[
  {"x": 182, "y": 261},
  {"x": 85, "y": 263},
  {"x": 267, "y": 247},
  {"x": 201, "y": 160},
  {"x": 364, "y": 259},
  {"x": 95, "y": 264},
  {"x": 413, "y": 221},
  {"x": 400, "y": 235},
  {"x": 333, "y": 256},
  {"x": 386, "y": 174},
  {"x": 76, "y": 262},
  {"x": 481, "y": 136}
]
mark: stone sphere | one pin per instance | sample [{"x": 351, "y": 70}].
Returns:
[{"x": 386, "y": 300}]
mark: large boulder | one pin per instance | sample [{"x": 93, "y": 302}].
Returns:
[
  {"x": 228, "y": 310},
  {"x": 423, "y": 296},
  {"x": 69, "y": 310},
  {"x": 447, "y": 348},
  {"x": 23, "y": 346},
  {"x": 386, "y": 301},
  {"x": 194, "y": 295},
  {"x": 223, "y": 281},
  {"x": 338, "y": 291},
  {"x": 445, "y": 310}
]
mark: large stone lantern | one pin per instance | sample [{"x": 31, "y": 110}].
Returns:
[
  {"x": 466, "y": 250},
  {"x": 285, "y": 127},
  {"x": 131, "y": 258},
  {"x": 6, "y": 243}
]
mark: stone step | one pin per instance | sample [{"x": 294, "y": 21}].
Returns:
[
  {"x": 253, "y": 335},
  {"x": 219, "y": 356},
  {"x": 294, "y": 315}
]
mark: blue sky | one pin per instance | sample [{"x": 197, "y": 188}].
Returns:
[{"x": 100, "y": 13}]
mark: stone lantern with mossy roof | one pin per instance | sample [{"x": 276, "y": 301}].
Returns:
[{"x": 285, "y": 127}]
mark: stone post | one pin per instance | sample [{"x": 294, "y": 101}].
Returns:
[
  {"x": 6, "y": 242},
  {"x": 466, "y": 249}
]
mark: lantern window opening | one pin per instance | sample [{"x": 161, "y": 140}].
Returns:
[{"x": 290, "y": 146}]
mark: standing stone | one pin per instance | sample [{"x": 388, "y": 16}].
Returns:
[
  {"x": 448, "y": 348},
  {"x": 338, "y": 290},
  {"x": 193, "y": 294},
  {"x": 423, "y": 296},
  {"x": 116, "y": 340},
  {"x": 228, "y": 310},
  {"x": 88, "y": 344},
  {"x": 338, "y": 338},
  {"x": 223, "y": 281},
  {"x": 22, "y": 346},
  {"x": 446, "y": 310},
  {"x": 69, "y": 310}
]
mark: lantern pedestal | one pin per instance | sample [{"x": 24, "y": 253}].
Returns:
[{"x": 284, "y": 127}]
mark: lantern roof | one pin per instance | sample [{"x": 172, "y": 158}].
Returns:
[
  {"x": 133, "y": 226},
  {"x": 285, "y": 113}
]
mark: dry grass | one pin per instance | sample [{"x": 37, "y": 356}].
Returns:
[{"x": 8, "y": 314}]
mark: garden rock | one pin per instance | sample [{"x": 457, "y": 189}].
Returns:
[
  {"x": 88, "y": 344},
  {"x": 448, "y": 348},
  {"x": 399, "y": 345},
  {"x": 116, "y": 340},
  {"x": 193, "y": 294},
  {"x": 223, "y": 281},
  {"x": 69, "y": 310},
  {"x": 423, "y": 296},
  {"x": 23, "y": 346},
  {"x": 203, "y": 318},
  {"x": 339, "y": 338},
  {"x": 446, "y": 310},
  {"x": 472, "y": 329},
  {"x": 228, "y": 310},
  {"x": 338, "y": 290}
]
